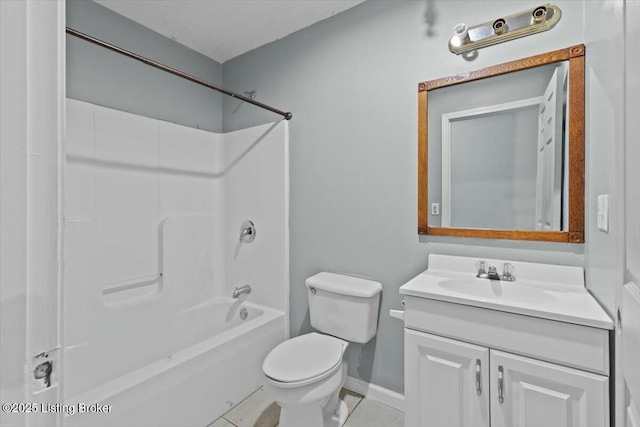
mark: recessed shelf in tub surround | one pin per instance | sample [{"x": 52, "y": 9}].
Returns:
[{"x": 551, "y": 292}]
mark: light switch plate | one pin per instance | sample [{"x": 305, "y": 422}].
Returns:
[{"x": 602, "y": 214}]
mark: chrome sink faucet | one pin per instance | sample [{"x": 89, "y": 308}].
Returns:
[
  {"x": 507, "y": 272},
  {"x": 481, "y": 266},
  {"x": 490, "y": 272}
]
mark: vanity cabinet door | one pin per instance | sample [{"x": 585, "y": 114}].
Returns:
[
  {"x": 445, "y": 382},
  {"x": 530, "y": 393}
]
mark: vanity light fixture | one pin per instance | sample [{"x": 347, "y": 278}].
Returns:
[{"x": 525, "y": 23}]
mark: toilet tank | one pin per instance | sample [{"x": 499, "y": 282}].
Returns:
[{"x": 344, "y": 306}]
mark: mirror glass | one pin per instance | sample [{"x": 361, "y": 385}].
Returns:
[
  {"x": 498, "y": 151},
  {"x": 501, "y": 150}
]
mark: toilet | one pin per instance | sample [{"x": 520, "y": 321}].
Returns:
[{"x": 305, "y": 374}]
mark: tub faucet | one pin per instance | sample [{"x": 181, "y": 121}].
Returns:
[{"x": 241, "y": 290}]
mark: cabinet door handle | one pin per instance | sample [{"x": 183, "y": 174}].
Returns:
[
  {"x": 478, "y": 383},
  {"x": 500, "y": 384}
]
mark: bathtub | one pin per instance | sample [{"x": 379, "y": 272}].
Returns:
[{"x": 219, "y": 363}]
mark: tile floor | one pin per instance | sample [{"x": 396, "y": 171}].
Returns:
[{"x": 259, "y": 410}]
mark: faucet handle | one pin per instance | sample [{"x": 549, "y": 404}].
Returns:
[
  {"x": 507, "y": 271},
  {"x": 247, "y": 232},
  {"x": 481, "y": 267}
]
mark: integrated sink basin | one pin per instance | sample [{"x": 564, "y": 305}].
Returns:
[
  {"x": 540, "y": 290},
  {"x": 498, "y": 290}
]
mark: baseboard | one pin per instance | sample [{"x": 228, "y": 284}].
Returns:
[{"x": 375, "y": 392}]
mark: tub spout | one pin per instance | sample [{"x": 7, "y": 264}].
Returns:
[{"x": 241, "y": 290}]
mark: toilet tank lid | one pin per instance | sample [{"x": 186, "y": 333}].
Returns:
[{"x": 345, "y": 285}]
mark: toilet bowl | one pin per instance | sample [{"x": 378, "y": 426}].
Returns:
[{"x": 305, "y": 374}]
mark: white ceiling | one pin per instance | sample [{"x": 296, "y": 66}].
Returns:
[{"x": 223, "y": 29}]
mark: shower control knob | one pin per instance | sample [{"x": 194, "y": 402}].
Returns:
[{"x": 247, "y": 232}]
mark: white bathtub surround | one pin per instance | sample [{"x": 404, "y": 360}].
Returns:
[
  {"x": 256, "y": 173},
  {"x": 151, "y": 261},
  {"x": 126, "y": 174}
]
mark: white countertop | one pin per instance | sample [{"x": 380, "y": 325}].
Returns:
[{"x": 540, "y": 290}]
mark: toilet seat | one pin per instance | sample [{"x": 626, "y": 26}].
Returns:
[{"x": 304, "y": 359}]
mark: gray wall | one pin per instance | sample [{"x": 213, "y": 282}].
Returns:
[
  {"x": 351, "y": 83},
  {"x": 604, "y": 256},
  {"x": 102, "y": 77}
]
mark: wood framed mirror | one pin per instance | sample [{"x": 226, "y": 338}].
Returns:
[{"x": 501, "y": 151}]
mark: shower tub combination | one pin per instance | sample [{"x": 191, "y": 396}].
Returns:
[
  {"x": 150, "y": 328},
  {"x": 195, "y": 385}
]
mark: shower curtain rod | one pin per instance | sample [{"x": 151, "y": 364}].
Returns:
[{"x": 173, "y": 71}]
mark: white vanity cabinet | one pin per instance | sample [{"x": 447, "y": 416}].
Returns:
[
  {"x": 536, "y": 393},
  {"x": 472, "y": 367},
  {"x": 531, "y": 352},
  {"x": 445, "y": 382}
]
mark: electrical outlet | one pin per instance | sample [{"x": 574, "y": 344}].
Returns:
[{"x": 435, "y": 208}]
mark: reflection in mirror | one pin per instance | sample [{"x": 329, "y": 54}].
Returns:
[
  {"x": 501, "y": 163},
  {"x": 501, "y": 150}
]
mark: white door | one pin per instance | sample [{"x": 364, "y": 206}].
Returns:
[
  {"x": 445, "y": 382},
  {"x": 549, "y": 173},
  {"x": 530, "y": 393},
  {"x": 630, "y": 331},
  {"x": 31, "y": 126},
  {"x": 629, "y": 299}
]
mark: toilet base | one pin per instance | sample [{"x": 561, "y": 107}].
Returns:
[
  {"x": 313, "y": 405},
  {"x": 339, "y": 417},
  {"x": 311, "y": 415}
]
